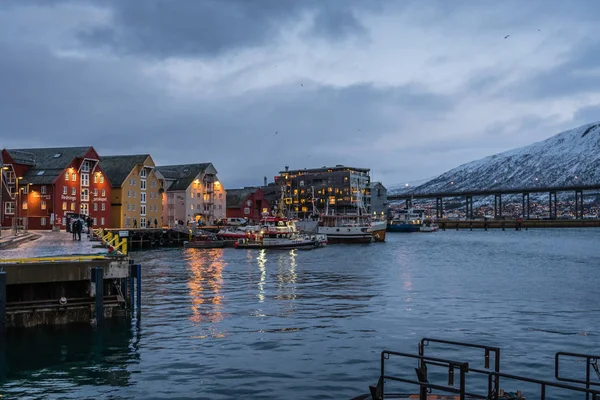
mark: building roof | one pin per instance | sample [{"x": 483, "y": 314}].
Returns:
[
  {"x": 324, "y": 168},
  {"x": 47, "y": 163},
  {"x": 373, "y": 184},
  {"x": 118, "y": 168},
  {"x": 235, "y": 197},
  {"x": 181, "y": 175}
]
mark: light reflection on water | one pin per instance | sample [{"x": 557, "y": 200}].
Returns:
[{"x": 232, "y": 323}]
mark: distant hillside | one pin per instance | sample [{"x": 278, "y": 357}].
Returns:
[{"x": 568, "y": 158}]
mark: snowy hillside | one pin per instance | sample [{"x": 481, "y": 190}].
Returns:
[{"x": 568, "y": 158}]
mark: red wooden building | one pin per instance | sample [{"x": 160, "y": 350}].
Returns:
[
  {"x": 248, "y": 202},
  {"x": 41, "y": 187}
]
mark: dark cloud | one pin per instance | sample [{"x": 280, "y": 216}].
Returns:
[
  {"x": 162, "y": 28},
  {"x": 51, "y": 101}
]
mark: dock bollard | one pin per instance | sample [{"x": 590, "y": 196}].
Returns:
[
  {"x": 2, "y": 301},
  {"x": 98, "y": 279},
  {"x": 131, "y": 288}
]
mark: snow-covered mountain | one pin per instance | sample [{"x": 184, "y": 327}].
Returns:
[{"x": 568, "y": 158}]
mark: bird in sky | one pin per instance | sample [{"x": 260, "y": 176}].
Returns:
[{"x": 506, "y": 37}]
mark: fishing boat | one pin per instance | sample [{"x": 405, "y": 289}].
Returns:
[
  {"x": 409, "y": 220},
  {"x": 448, "y": 379}
]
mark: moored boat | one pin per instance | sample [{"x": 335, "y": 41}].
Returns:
[
  {"x": 204, "y": 242},
  {"x": 409, "y": 220},
  {"x": 429, "y": 226}
]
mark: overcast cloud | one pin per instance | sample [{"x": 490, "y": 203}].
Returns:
[{"x": 407, "y": 88}]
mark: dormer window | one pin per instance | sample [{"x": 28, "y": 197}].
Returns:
[
  {"x": 85, "y": 167},
  {"x": 57, "y": 155},
  {"x": 143, "y": 173}
]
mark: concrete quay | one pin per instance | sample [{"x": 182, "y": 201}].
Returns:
[
  {"x": 56, "y": 280},
  {"x": 517, "y": 224}
]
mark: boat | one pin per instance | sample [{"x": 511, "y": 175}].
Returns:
[
  {"x": 355, "y": 227},
  {"x": 408, "y": 220},
  {"x": 449, "y": 375},
  {"x": 231, "y": 234},
  {"x": 204, "y": 241},
  {"x": 429, "y": 226}
]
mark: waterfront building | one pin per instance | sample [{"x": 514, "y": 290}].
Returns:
[
  {"x": 379, "y": 201},
  {"x": 340, "y": 188},
  {"x": 193, "y": 193},
  {"x": 45, "y": 186},
  {"x": 136, "y": 200},
  {"x": 248, "y": 202}
]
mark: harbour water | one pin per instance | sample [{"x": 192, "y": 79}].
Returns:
[{"x": 229, "y": 323}]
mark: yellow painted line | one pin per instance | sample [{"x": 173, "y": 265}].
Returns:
[{"x": 59, "y": 258}]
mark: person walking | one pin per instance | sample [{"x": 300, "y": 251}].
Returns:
[
  {"x": 134, "y": 223},
  {"x": 79, "y": 228},
  {"x": 74, "y": 228}
]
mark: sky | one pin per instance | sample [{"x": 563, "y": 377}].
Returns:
[{"x": 407, "y": 88}]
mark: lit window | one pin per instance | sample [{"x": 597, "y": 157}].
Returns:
[
  {"x": 43, "y": 205},
  {"x": 72, "y": 206},
  {"x": 192, "y": 207},
  {"x": 101, "y": 178},
  {"x": 95, "y": 178},
  {"x": 24, "y": 205},
  {"x": 84, "y": 209},
  {"x": 74, "y": 177},
  {"x": 64, "y": 206},
  {"x": 67, "y": 176}
]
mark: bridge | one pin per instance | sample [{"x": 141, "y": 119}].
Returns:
[{"x": 498, "y": 193}]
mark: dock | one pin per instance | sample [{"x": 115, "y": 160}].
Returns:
[
  {"x": 151, "y": 238},
  {"x": 518, "y": 224},
  {"x": 57, "y": 290}
]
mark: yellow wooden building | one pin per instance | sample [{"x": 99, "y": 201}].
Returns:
[{"x": 136, "y": 200}]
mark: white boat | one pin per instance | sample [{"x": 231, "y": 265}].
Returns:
[{"x": 429, "y": 226}]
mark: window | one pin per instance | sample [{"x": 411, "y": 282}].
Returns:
[
  {"x": 192, "y": 195},
  {"x": 101, "y": 178},
  {"x": 153, "y": 184},
  {"x": 129, "y": 193},
  {"x": 95, "y": 178},
  {"x": 64, "y": 206},
  {"x": 103, "y": 208},
  {"x": 192, "y": 207},
  {"x": 85, "y": 167},
  {"x": 197, "y": 206},
  {"x": 95, "y": 192},
  {"x": 95, "y": 206},
  {"x": 95, "y": 221},
  {"x": 10, "y": 177},
  {"x": 102, "y": 221},
  {"x": 9, "y": 208},
  {"x": 143, "y": 184},
  {"x": 74, "y": 177},
  {"x": 84, "y": 209},
  {"x": 73, "y": 191},
  {"x": 43, "y": 221},
  {"x": 65, "y": 190},
  {"x": 43, "y": 190},
  {"x": 24, "y": 205},
  {"x": 25, "y": 189},
  {"x": 67, "y": 176},
  {"x": 143, "y": 173},
  {"x": 143, "y": 197},
  {"x": 43, "y": 205},
  {"x": 72, "y": 206},
  {"x": 134, "y": 182},
  {"x": 85, "y": 179},
  {"x": 133, "y": 207},
  {"x": 133, "y": 194},
  {"x": 142, "y": 222},
  {"x": 103, "y": 193},
  {"x": 128, "y": 207},
  {"x": 220, "y": 195},
  {"x": 85, "y": 194},
  {"x": 142, "y": 210}
]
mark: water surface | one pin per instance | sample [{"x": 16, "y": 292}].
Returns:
[{"x": 229, "y": 323}]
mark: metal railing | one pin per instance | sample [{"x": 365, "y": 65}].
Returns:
[
  {"x": 591, "y": 361},
  {"x": 493, "y": 376}
]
